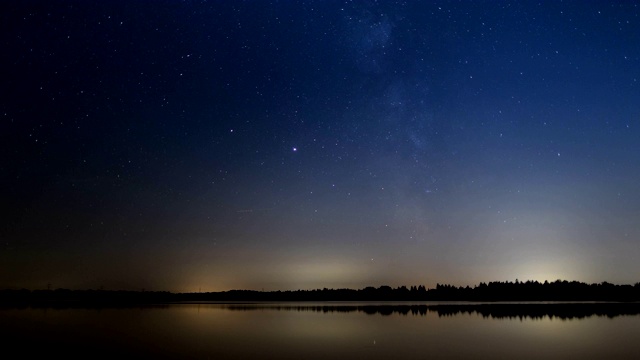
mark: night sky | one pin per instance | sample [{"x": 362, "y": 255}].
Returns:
[{"x": 215, "y": 145}]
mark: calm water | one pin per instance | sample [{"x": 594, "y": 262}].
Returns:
[{"x": 301, "y": 332}]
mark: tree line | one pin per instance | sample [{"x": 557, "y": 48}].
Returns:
[{"x": 558, "y": 290}]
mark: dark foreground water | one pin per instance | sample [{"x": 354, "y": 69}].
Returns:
[{"x": 319, "y": 331}]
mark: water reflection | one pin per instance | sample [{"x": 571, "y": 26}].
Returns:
[
  {"x": 564, "y": 311},
  {"x": 326, "y": 331}
]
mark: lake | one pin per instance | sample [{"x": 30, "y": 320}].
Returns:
[{"x": 317, "y": 331}]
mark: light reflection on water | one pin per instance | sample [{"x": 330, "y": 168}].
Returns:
[{"x": 317, "y": 331}]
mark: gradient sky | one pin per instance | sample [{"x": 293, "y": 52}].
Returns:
[{"x": 186, "y": 145}]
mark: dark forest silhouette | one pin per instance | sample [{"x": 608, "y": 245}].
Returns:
[{"x": 493, "y": 291}]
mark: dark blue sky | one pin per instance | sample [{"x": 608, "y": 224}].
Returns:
[{"x": 282, "y": 145}]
